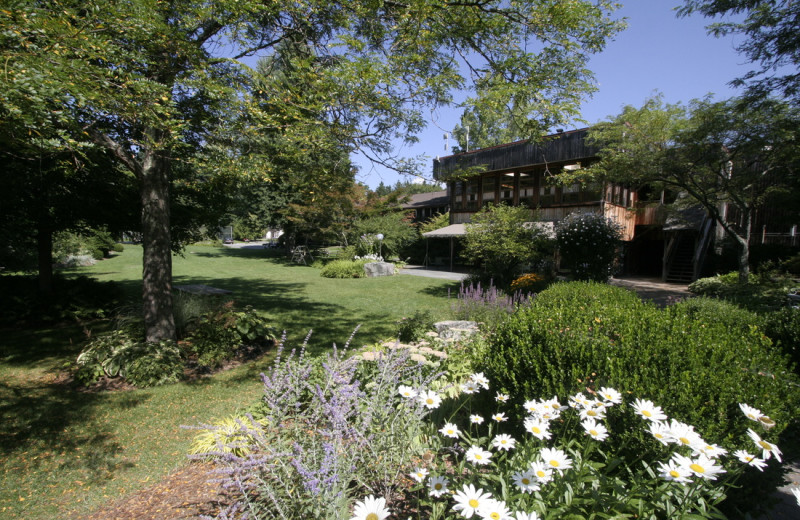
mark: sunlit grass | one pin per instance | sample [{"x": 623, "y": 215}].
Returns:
[{"x": 64, "y": 453}]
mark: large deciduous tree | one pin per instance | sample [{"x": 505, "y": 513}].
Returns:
[
  {"x": 732, "y": 157},
  {"x": 157, "y": 83},
  {"x": 769, "y": 30}
]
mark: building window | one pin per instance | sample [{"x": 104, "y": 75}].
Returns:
[
  {"x": 507, "y": 188},
  {"x": 571, "y": 193},
  {"x": 488, "y": 190},
  {"x": 527, "y": 189},
  {"x": 473, "y": 191}
]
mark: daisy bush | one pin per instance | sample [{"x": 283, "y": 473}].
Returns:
[
  {"x": 557, "y": 463},
  {"x": 587, "y": 244}
]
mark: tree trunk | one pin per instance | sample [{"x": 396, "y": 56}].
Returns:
[
  {"x": 744, "y": 249},
  {"x": 159, "y": 321},
  {"x": 44, "y": 246}
]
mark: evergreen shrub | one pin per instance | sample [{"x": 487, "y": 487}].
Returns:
[
  {"x": 344, "y": 269},
  {"x": 689, "y": 358}
]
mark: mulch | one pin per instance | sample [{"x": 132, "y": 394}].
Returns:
[{"x": 189, "y": 492}]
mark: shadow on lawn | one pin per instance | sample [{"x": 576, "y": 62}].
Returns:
[{"x": 55, "y": 423}]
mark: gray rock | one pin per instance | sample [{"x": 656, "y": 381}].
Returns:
[
  {"x": 374, "y": 269},
  {"x": 455, "y": 330}
]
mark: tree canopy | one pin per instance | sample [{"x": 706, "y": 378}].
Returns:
[
  {"x": 769, "y": 29},
  {"x": 159, "y": 86},
  {"x": 729, "y": 155}
]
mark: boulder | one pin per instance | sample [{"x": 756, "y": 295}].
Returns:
[
  {"x": 374, "y": 269},
  {"x": 455, "y": 330}
]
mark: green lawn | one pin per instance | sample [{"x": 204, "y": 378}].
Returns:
[{"x": 63, "y": 453}]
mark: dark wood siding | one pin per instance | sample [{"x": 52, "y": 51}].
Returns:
[{"x": 565, "y": 146}]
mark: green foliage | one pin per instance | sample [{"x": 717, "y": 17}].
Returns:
[
  {"x": 73, "y": 299},
  {"x": 118, "y": 354},
  {"x": 396, "y": 228},
  {"x": 413, "y": 328},
  {"x": 764, "y": 34},
  {"x": 764, "y": 292},
  {"x": 222, "y": 334},
  {"x": 588, "y": 244},
  {"x": 691, "y": 357},
  {"x": 435, "y": 222},
  {"x": 344, "y": 269},
  {"x": 783, "y": 328},
  {"x": 500, "y": 240},
  {"x": 735, "y": 152}
]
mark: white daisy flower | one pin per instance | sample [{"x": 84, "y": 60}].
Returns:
[
  {"x": 594, "y": 430},
  {"x": 593, "y": 413},
  {"x": 538, "y": 428},
  {"x": 796, "y": 492},
  {"x": 419, "y": 474},
  {"x": 480, "y": 380},
  {"x": 476, "y": 419},
  {"x": 478, "y": 455},
  {"x": 525, "y": 481},
  {"x": 660, "y": 431},
  {"x": 499, "y": 417},
  {"x": 712, "y": 451},
  {"x": 501, "y": 398},
  {"x": 768, "y": 449},
  {"x": 522, "y": 515},
  {"x": 556, "y": 459},
  {"x": 610, "y": 395},
  {"x": 406, "y": 391},
  {"x": 430, "y": 399},
  {"x": 542, "y": 472},
  {"x": 683, "y": 434},
  {"x": 648, "y": 410},
  {"x": 579, "y": 401},
  {"x": 494, "y": 510},
  {"x": 551, "y": 404},
  {"x": 470, "y": 387},
  {"x": 754, "y": 414},
  {"x": 531, "y": 406},
  {"x": 702, "y": 466},
  {"x": 750, "y": 460},
  {"x": 370, "y": 508},
  {"x": 673, "y": 470},
  {"x": 450, "y": 430},
  {"x": 437, "y": 486},
  {"x": 504, "y": 442},
  {"x": 469, "y": 500}
]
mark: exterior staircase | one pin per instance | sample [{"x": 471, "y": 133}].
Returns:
[{"x": 680, "y": 268}]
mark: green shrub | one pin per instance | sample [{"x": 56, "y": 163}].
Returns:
[
  {"x": 118, "y": 354},
  {"x": 689, "y": 358},
  {"x": 414, "y": 328},
  {"x": 783, "y": 328},
  {"x": 765, "y": 291},
  {"x": 344, "y": 269},
  {"x": 588, "y": 244},
  {"x": 221, "y": 335}
]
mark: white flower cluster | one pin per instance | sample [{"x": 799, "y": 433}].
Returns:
[{"x": 693, "y": 457}]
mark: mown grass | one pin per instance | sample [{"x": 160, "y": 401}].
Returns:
[{"x": 64, "y": 453}]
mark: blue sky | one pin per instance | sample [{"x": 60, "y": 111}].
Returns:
[{"x": 656, "y": 53}]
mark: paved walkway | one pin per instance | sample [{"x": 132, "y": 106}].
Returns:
[{"x": 419, "y": 270}]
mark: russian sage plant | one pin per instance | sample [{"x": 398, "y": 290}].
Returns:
[{"x": 324, "y": 428}]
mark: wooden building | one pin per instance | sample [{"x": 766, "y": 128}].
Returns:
[{"x": 518, "y": 174}]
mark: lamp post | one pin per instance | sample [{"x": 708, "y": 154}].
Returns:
[{"x": 379, "y": 236}]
